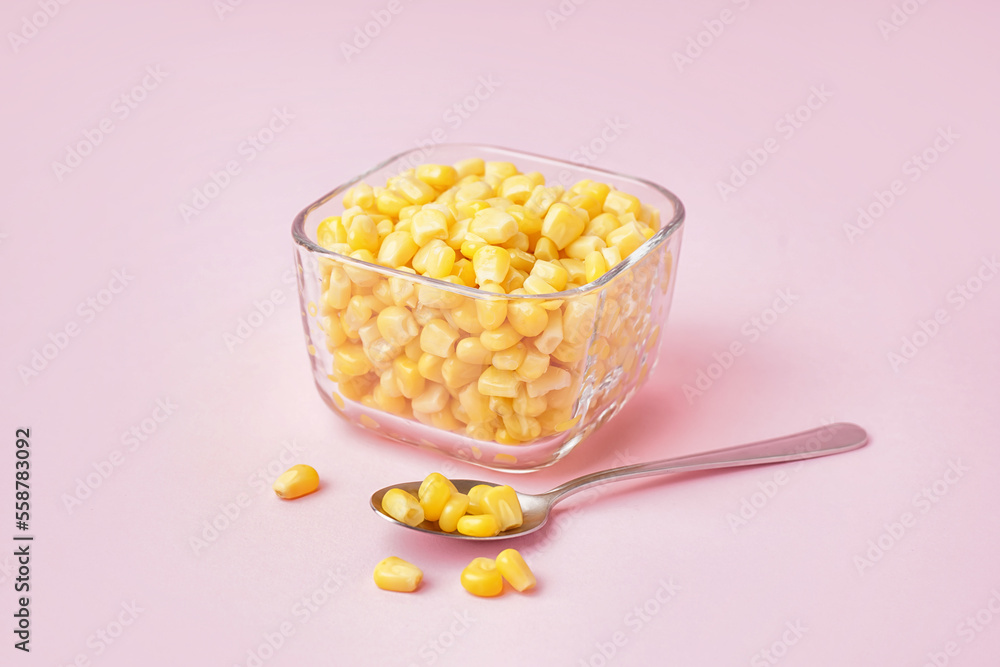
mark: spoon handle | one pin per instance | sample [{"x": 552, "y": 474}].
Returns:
[{"x": 822, "y": 441}]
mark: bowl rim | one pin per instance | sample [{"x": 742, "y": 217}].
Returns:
[{"x": 665, "y": 232}]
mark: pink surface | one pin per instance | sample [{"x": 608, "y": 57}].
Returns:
[{"x": 654, "y": 572}]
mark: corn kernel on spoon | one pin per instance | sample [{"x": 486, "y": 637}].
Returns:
[{"x": 822, "y": 441}]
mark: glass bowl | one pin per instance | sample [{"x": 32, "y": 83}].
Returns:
[{"x": 599, "y": 343}]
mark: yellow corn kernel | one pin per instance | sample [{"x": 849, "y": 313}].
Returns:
[
  {"x": 403, "y": 507},
  {"x": 331, "y": 231},
  {"x": 612, "y": 256},
  {"x": 552, "y": 273},
  {"x": 438, "y": 176},
  {"x": 395, "y": 574},
  {"x": 463, "y": 270},
  {"x": 397, "y": 325},
  {"x": 478, "y": 525},
  {"x": 583, "y": 246},
  {"x": 456, "y": 233},
  {"x": 467, "y": 317},
  {"x": 475, "y": 404},
  {"x": 510, "y": 358},
  {"x": 362, "y": 234},
  {"x": 528, "y": 406},
  {"x": 546, "y": 249},
  {"x": 406, "y": 214},
  {"x": 297, "y": 481},
  {"x": 522, "y": 427},
  {"x": 476, "y": 494},
  {"x": 481, "y": 577},
  {"x": 535, "y": 285},
  {"x": 491, "y": 312},
  {"x": 517, "y": 188},
  {"x": 502, "y": 502},
  {"x": 534, "y": 365},
  {"x": 562, "y": 225},
  {"x": 578, "y": 321},
  {"x": 552, "y": 379},
  {"x": 626, "y": 238},
  {"x": 503, "y": 170},
  {"x": 527, "y": 317},
  {"x": 514, "y": 280},
  {"x": 495, "y": 382},
  {"x": 542, "y": 198},
  {"x": 512, "y": 567},
  {"x": 360, "y": 195},
  {"x": 505, "y": 438},
  {"x": 466, "y": 210},
  {"x": 434, "y": 476},
  {"x": 552, "y": 335},
  {"x": 650, "y": 215},
  {"x": 439, "y": 262},
  {"x": 493, "y": 225},
  {"x": 435, "y": 297},
  {"x": 648, "y": 232},
  {"x": 502, "y": 406},
  {"x": 357, "y": 312},
  {"x": 351, "y": 360},
  {"x": 500, "y": 338},
  {"x": 473, "y": 191},
  {"x": 619, "y": 203},
  {"x": 518, "y": 241},
  {"x": 354, "y": 387},
  {"x": 438, "y": 337},
  {"x": 413, "y": 190},
  {"x": 429, "y": 366},
  {"x": 602, "y": 225},
  {"x": 347, "y": 217},
  {"x": 453, "y": 510},
  {"x": 419, "y": 261},
  {"x": 594, "y": 266},
  {"x": 471, "y": 244},
  {"x": 427, "y": 224},
  {"x": 334, "y": 332},
  {"x": 457, "y": 373},
  {"x": 338, "y": 294},
  {"x": 386, "y": 401},
  {"x": 521, "y": 260},
  {"x": 569, "y": 353},
  {"x": 490, "y": 264},
  {"x": 411, "y": 383},
  {"x": 575, "y": 271},
  {"x": 361, "y": 277},
  {"x": 527, "y": 222},
  {"x": 472, "y": 351},
  {"x": 434, "y": 398},
  {"x": 433, "y": 497},
  {"x": 473, "y": 166}
]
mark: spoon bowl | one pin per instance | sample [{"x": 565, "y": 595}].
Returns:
[{"x": 823, "y": 441}]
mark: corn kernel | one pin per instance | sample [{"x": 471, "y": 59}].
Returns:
[
  {"x": 552, "y": 379},
  {"x": 473, "y": 166},
  {"x": 534, "y": 365},
  {"x": 514, "y": 280},
  {"x": 535, "y": 285},
  {"x": 542, "y": 198},
  {"x": 546, "y": 249},
  {"x": 471, "y": 244},
  {"x": 494, "y": 225},
  {"x": 562, "y": 225},
  {"x": 351, "y": 360},
  {"x": 527, "y": 317},
  {"x": 466, "y": 317},
  {"x": 438, "y": 176},
  {"x": 397, "y": 325},
  {"x": 583, "y": 246},
  {"x": 528, "y": 406},
  {"x": 473, "y": 191},
  {"x": 362, "y": 234},
  {"x": 429, "y": 366},
  {"x": 502, "y": 503},
  {"x": 595, "y": 266},
  {"x": 500, "y": 338},
  {"x": 503, "y": 170},
  {"x": 413, "y": 190},
  {"x": 402, "y": 507},
  {"x": 466, "y": 210},
  {"x": 389, "y": 400},
  {"x": 552, "y": 335},
  {"x": 476, "y": 494},
  {"x": 512, "y": 567},
  {"x": 481, "y": 577},
  {"x": 465, "y": 272},
  {"x": 472, "y": 351},
  {"x": 490, "y": 264},
  {"x": 510, "y": 358},
  {"x": 438, "y": 337},
  {"x": 626, "y": 238},
  {"x": 495, "y": 382},
  {"x": 522, "y": 427},
  {"x": 411, "y": 383},
  {"x": 395, "y": 574},
  {"x": 517, "y": 188},
  {"x": 433, "y": 398},
  {"x": 527, "y": 222},
  {"x": 619, "y": 203},
  {"x": 439, "y": 262},
  {"x": 478, "y": 525},
  {"x": 521, "y": 260},
  {"x": 612, "y": 256},
  {"x": 491, "y": 312},
  {"x": 475, "y": 404},
  {"x": 297, "y": 481},
  {"x": 453, "y": 510},
  {"x": 434, "y": 497},
  {"x": 552, "y": 273},
  {"x": 457, "y": 373}
]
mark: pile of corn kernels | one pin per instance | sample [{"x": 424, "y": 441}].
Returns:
[{"x": 492, "y": 368}]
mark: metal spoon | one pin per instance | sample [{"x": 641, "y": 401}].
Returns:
[{"x": 822, "y": 441}]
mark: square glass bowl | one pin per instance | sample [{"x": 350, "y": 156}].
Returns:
[{"x": 598, "y": 344}]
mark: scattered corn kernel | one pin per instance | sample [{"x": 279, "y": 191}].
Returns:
[
  {"x": 481, "y": 577},
  {"x": 512, "y": 567},
  {"x": 395, "y": 574},
  {"x": 297, "y": 481},
  {"x": 403, "y": 507}
]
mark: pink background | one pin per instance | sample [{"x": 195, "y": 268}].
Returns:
[{"x": 727, "y": 591}]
